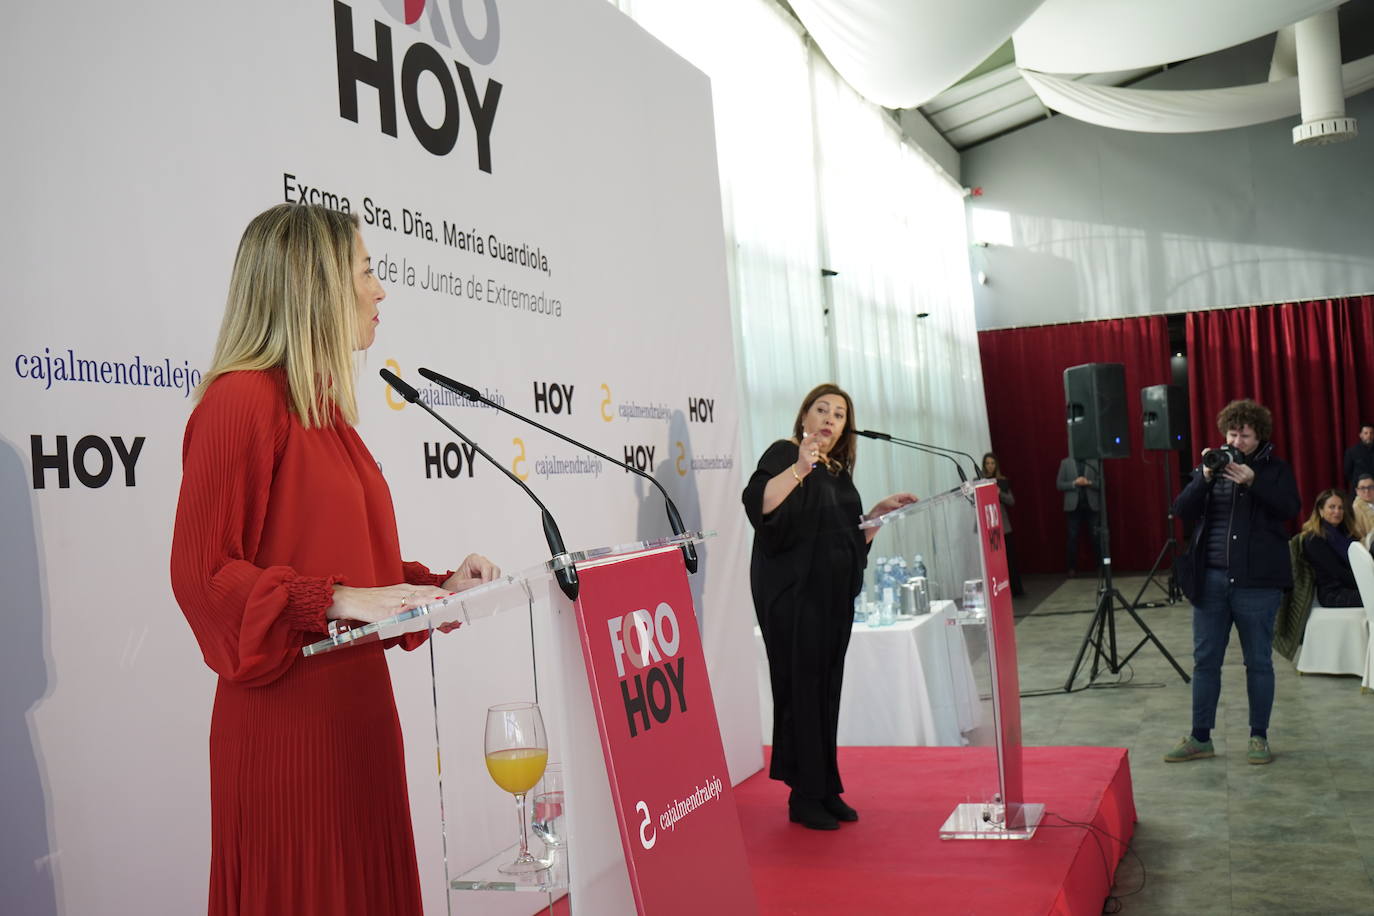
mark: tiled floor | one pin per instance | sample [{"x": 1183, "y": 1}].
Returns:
[{"x": 1216, "y": 836}]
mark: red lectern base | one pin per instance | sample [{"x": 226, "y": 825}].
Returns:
[{"x": 893, "y": 860}]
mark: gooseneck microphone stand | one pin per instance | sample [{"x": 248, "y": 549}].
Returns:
[
  {"x": 564, "y": 571},
  {"x": 689, "y": 551},
  {"x": 1101, "y": 633},
  {"x": 921, "y": 447}
]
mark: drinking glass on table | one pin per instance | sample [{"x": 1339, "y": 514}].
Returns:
[
  {"x": 548, "y": 809},
  {"x": 517, "y": 751},
  {"x": 975, "y": 602}
]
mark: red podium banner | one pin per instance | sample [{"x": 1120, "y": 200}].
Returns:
[
  {"x": 674, "y": 803},
  {"x": 1002, "y": 636}
]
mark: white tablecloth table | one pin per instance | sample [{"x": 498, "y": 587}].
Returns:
[{"x": 905, "y": 685}]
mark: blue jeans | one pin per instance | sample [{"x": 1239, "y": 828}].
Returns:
[{"x": 1252, "y": 610}]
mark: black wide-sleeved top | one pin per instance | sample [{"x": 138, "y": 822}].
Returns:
[{"x": 813, "y": 536}]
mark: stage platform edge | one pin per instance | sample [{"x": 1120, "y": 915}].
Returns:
[{"x": 893, "y": 860}]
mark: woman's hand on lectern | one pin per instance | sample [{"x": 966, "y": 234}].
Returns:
[
  {"x": 472, "y": 572},
  {"x": 892, "y": 503},
  {"x": 370, "y": 605},
  {"x": 895, "y": 501}
]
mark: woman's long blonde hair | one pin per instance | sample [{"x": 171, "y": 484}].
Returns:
[
  {"x": 292, "y": 304},
  {"x": 1349, "y": 524}
]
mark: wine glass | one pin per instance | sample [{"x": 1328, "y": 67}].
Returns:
[{"x": 517, "y": 752}]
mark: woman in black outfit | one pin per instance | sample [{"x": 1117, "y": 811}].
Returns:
[
  {"x": 808, "y": 564},
  {"x": 1327, "y": 535}
]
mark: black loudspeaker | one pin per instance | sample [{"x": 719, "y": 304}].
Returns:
[
  {"x": 1095, "y": 396},
  {"x": 1165, "y": 417}
]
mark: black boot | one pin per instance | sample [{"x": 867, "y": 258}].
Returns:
[
  {"x": 810, "y": 813},
  {"x": 839, "y": 810}
]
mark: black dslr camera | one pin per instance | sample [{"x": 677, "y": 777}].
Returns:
[{"x": 1218, "y": 458}]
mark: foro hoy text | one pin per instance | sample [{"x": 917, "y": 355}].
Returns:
[{"x": 656, "y": 682}]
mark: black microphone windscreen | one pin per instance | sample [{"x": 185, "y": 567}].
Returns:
[
  {"x": 403, "y": 388},
  {"x": 443, "y": 381}
]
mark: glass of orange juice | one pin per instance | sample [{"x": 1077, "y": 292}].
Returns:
[{"x": 517, "y": 751}]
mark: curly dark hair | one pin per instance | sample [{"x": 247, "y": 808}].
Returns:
[{"x": 1246, "y": 412}]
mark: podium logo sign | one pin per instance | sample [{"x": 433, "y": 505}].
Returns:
[
  {"x": 654, "y": 686},
  {"x": 1001, "y": 641},
  {"x": 674, "y": 804},
  {"x": 374, "y": 69}
]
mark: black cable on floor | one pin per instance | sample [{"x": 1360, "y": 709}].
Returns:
[
  {"x": 1113, "y": 902},
  {"x": 1119, "y": 683}
]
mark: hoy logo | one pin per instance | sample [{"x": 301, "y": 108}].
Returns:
[
  {"x": 551, "y": 397},
  {"x": 654, "y": 683},
  {"x": 92, "y": 460},
  {"x": 448, "y": 459},
  {"x": 640, "y": 456},
  {"x": 701, "y": 410},
  {"x": 438, "y": 130}
]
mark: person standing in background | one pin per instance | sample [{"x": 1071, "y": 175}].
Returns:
[
  {"x": 1081, "y": 484},
  {"x": 992, "y": 470},
  {"x": 1359, "y": 458},
  {"x": 1235, "y": 570}
]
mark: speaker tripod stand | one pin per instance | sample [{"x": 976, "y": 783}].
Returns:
[
  {"x": 1101, "y": 634},
  {"x": 1173, "y": 592}
]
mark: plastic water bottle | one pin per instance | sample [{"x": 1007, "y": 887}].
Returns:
[
  {"x": 877, "y": 591},
  {"x": 918, "y": 567},
  {"x": 861, "y": 608}
]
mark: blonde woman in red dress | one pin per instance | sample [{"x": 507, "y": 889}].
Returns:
[{"x": 285, "y": 523}]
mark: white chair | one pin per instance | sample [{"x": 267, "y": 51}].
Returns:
[
  {"x": 1336, "y": 640},
  {"x": 1362, "y": 564}
]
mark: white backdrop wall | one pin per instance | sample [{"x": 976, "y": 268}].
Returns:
[
  {"x": 1084, "y": 222},
  {"x": 140, "y": 145},
  {"x": 814, "y": 177}
]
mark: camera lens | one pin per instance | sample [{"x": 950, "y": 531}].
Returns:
[{"x": 1216, "y": 459}]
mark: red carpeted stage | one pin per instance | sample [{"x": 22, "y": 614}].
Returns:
[{"x": 893, "y": 860}]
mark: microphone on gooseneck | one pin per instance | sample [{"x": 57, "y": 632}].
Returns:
[
  {"x": 689, "y": 551},
  {"x": 918, "y": 446},
  {"x": 566, "y": 573}
]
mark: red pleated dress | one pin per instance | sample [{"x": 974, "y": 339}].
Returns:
[{"x": 309, "y": 807}]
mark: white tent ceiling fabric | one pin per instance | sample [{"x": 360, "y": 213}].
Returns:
[
  {"x": 1098, "y": 36},
  {"x": 901, "y": 53},
  {"x": 1184, "y": 111}
]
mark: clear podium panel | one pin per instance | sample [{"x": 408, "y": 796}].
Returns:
[
  {"x": 518, "y": 641},
  {"x": 502, "y": 594},
  {"x": 942, "y": 557}
]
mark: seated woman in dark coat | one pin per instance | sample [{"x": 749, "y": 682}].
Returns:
[{"x": 1326, "y": 539}]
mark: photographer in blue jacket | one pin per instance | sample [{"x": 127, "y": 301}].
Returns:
[{"x": 1235, "y": 569}]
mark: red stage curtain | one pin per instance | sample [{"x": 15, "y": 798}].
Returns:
[
  {"x": 1023, "y": 376},
  {"x": 1311, "y": 363}
]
